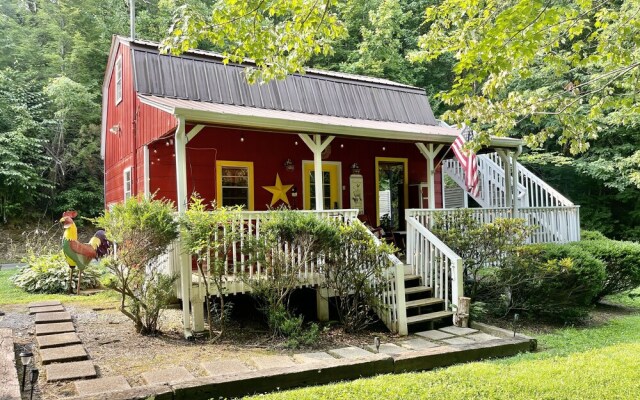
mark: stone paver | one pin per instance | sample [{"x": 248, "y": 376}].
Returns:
[
  {"x": 45, "y": 303},
  {"x": 317, "y": 356},
  {"x": 168, "y": 375},
  {"x": 388, "y": 348},
  {"x": 57, "y": 340},
  {"x": 50, "y": 329},
  {"x": 70, "y": 370},
  {"x": 481, "y": 337},
  {"x": 456, "y": 330},
  {"x": 63, "y": 354},
  {"x": 102, "y": 385},
  {"x": 224, "y": 367},
  {"x": 45, "y": 309},
  {"x": 418, "y": 344},
  {"x": 268, "y": 362},
  {"x": 434, "y": 335},
  {"x": 458, "y": 340},
  {"x": 350, "y": 352},
  {"x": 46, "y": 318}
]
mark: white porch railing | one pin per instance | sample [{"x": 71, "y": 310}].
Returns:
[
  {"x": 392, "y": 308},
  {"x": 552, "y": 224},
  {"x": 237, "y": 271},
  {"x": 438, "y": 265}
]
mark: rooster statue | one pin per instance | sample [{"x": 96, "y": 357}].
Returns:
[{"x": 80, "y": 254}]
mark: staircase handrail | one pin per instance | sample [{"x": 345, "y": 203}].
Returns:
[
  {"x": 524, "y": 175},
  {"x": 435, "y": 262}
]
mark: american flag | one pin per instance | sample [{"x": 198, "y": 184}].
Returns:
[{"x": 468, "y": 161}]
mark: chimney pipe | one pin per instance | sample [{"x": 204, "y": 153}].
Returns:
[{"x": 132, "y": 19}]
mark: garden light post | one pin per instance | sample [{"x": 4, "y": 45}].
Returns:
[
  {"x": 34, "y": 378},
  {"x": 25, "y": 358}
]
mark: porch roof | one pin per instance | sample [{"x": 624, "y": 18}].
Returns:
[{"x": 296, "y": 122}]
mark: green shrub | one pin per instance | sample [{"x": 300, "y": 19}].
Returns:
[
  {"x": 292, "y": 328},
  {"x": 143, "y": 230},
  {"x": 592, "y": 235},
  {"x": 558, "y": 281},
  {"x": 50, "y": 274},
  {"x": 622, "y": 263}
]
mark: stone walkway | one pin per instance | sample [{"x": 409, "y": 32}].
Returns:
[
  {"x": 65, "y": 359},
  {"x": 59, "y": 347}
]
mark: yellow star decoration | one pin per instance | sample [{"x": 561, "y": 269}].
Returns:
[{"x": 279, "y": 191}]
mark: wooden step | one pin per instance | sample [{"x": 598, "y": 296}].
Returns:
[
  {"x": 428, "y": 317},
  {"x": 416, "y": 289},
  {"x": 410, "y": 277},
  {"x": 424, "y": 302}
]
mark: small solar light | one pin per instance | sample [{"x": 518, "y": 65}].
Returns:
[
  {"x": 376, "y": 342},
  {"x": 516, "y": 317},
  {"x": 34, "y": 378},
  {"x": 25, "y": 358}
]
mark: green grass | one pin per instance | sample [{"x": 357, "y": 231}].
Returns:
[
  {"x": 574, "y": 363},
  {"x": 11, "y": 294}
]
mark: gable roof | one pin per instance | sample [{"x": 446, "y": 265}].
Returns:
[{"x": 202, "y": 76}]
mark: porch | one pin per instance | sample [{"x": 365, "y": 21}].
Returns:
[{"x": 421, "y": 286}]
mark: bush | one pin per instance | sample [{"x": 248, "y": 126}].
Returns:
[
  {"x": 558, "y": 281},
  {"x": 349, "y": 271},
  {"x": 622, "y": 263},
  {"x": 142, "y": 229},
  {"x": 288, "y": 241},
  {"x": 291, "y": 327},
  {"x": 50, "y": 274},
  {"x": 591, "y": 235}
]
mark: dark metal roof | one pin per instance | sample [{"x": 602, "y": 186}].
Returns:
[{"x": 201, "y": 76}]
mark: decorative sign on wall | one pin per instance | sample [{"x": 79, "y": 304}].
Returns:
[
  {"x": 279, "y": 191},
  {"x": 356, "y": 192}
]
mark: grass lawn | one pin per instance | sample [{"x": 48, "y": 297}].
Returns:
[
  {"x": 588, "y": 363},
  {"x": 11, "y": 294}
]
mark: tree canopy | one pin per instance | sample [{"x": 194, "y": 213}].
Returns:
[{"x": 564, "y": 69}]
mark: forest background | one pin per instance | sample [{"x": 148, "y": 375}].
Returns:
[{"x": 53, "y": 54}]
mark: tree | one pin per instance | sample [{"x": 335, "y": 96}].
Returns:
[
  {"x": 280, "y": 36},
  {"x": 560, "y": 69},
  {"x": 22, "y": 158}
]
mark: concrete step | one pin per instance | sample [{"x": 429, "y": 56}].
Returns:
[
  {"x": 431, "y": 301},
  {"x": 429, "y": 317}
]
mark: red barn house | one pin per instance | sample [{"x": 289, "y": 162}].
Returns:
[{"x": 325, "y": 141}]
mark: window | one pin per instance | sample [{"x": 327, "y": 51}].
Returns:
[
  {"x": 127, "y": 183},
  {"x": 235, "y": 183},
  {"x": 118, "y": 80}
]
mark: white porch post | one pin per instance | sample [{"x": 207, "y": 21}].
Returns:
[
  {"x": 430, "y": 154},
  {"x": 504, "y": 156},
  {"x": 317, "y": 146},
  {"x": 181, "y": 186},
  {"x": 145, "y": 185},
  {"x": 514, "y": 171}
]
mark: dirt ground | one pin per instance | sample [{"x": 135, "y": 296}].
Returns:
[{"x": 114, "y": 347}]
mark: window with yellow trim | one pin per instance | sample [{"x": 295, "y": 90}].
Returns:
[{"x": 235, "y": 183}]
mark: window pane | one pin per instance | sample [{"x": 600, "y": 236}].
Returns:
[{"x": 235, "y": 196}]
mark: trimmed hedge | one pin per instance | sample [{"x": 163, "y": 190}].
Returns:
[
  {"x": 555, "y": 281},
  {"x": 592, "y": 235},
  {"x": 622, "y": 262}
]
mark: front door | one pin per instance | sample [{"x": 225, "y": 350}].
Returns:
[
  {"x": 392, "y": 189},
  {"x": 331, "y": 185}
]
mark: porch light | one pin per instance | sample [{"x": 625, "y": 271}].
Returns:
[
  {"x": 241, "y": 138},
  {"x": 25, "y": 358},
  {"x": 115, "y": 129},
  {"x": 168, "y": 142},
  {"x": 383, "y": 148},
  {"x": 288, "y": 165},
  {"x": 355, "y": 169}
]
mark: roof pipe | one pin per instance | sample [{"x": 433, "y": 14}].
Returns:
[{"x": 132, "y": 19}]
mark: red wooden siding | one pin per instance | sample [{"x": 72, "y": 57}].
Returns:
[
  {"x": 139, "y": 124},
  {"x": 268, "y": 151}
]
